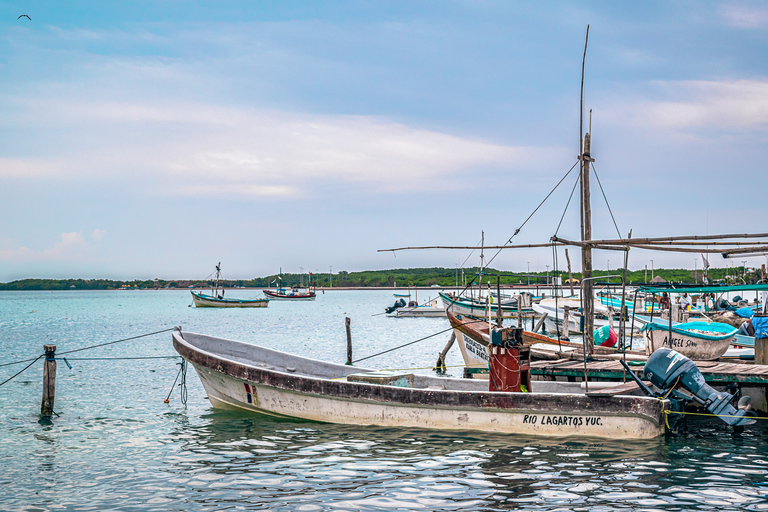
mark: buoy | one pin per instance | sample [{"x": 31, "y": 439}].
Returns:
[{"x": 605, "y": 336}]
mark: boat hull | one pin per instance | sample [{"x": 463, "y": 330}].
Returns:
[
  {"x": 691, "y": 346},
  {"x": 474, "y": 308},
  {"x": 205, "y": 301},
  {"x": 280, "y": 388},
  {"x": 420, "y": 312},
  {"x": 281, "y": 296}
]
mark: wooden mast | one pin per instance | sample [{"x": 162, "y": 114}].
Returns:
[{"x": 588, "y": 315}]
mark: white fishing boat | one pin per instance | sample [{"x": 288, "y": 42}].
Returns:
[
  {"x": 430, "y": 309},
  {"x": 216, "y": 298},
  {"x": 202, "y": 300},
  {"x": 555, "y": 311},
  {"x": 478, "y": 307},
  {"x": 246, "y": 377}
]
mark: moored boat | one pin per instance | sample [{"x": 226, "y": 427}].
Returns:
[
  {"x": 216, "y": 298},
  {"x": 696, "y": 340},
  {"x": 247, "y": 377},
  {"x": 479, "y": 308},
  {"x": 202, "y": 300},
  {"x": 291, "y": 293},
  {"x": 473, "y": 339}
]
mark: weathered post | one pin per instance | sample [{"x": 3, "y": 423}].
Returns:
[
  {"x": 761, "y": 346},
  {"x": 440, "y": 366},
  {"x": 49, "y": 381},
  {"x": 566, "y": 323},
  {"x": 347, "y": 322},
  {"x": 499, "y": 311}
]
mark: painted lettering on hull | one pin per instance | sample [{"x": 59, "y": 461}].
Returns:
[
  {"x": 563, "y": 420},
  {"x": 475, "y": 349},
  {"x": 678, "y": 342}
]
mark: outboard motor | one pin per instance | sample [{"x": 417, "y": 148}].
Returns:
[
  {"x": 398, "y": 304},
  {"x": 668, "y": 370}
]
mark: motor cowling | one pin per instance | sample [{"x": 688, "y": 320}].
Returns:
[{"x": 668, "y": 369}]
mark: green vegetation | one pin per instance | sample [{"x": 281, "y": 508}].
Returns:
[{"x": 443, "y": 277}]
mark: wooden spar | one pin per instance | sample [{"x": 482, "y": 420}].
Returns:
[
  {"x": 643, "y": 243},
  {"x": 49, "y": 381},
  {"x": 722, "y": 250},
  {"x": 462, "y": 247},
  {"x": 673, "y": 239},
  {"x": 570, "y": 275},
  {"x": 540, "y": 322}
]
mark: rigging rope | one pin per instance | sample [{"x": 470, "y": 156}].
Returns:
[
  {"x": 606, "y": 200},
  {"x": 567, "y": 205},
  {"x": 532, "y": 213}
]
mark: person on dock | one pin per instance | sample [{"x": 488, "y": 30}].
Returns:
[
  {"x": 685, "y": 302},
  {"x": 664, "y": 301}
]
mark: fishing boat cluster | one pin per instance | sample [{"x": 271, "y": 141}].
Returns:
[{"x": 498, "y": 392}]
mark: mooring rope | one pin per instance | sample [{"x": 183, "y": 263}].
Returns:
[
  {"x": 415, "y": 341},
  {"x": 113, "y": 342},
  {"x": 20, "y": 372},
  {"x": 32, "y": 361}
]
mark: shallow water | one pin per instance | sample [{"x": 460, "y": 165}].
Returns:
[{"x": 117, "y": 446}]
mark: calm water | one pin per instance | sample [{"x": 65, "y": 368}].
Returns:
[{"x": 117, "y": 446}]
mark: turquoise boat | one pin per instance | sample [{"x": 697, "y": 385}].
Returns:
[{"x": 696, "y": 340}]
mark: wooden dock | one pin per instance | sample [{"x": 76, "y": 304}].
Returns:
[{"x": 714, "y": 372}]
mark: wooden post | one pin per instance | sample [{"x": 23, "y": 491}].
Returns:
[
  {"x": 570, "y": 275},
  {"x": 761, "y": 349},
  {"x": 540, "y": 322},
  {"x": 499, "y": 312},
  {"x": 347, "y": 322},
  {"x": 520, "y": 311},
  {"x": 440, "y": 366},
  {"x": 586, "y": 252},
  {"x": 566, "y": 323},
  {"x": 49, "y": 381}
]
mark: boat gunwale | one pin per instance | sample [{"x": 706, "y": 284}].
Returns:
[{"x": 571, "y": 404}]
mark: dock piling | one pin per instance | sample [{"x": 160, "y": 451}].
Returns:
[
  {"x": 49, "y": 381},
  {"x": 347, "y": 322}
]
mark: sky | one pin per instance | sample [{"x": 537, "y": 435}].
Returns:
[{"x": 156, "y": 139}]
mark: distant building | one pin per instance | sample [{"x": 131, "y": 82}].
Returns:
[{"x": 658, "y": 280}]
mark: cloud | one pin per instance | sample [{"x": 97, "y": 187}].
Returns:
[
  {"x": 69, "y": 247},
  {"x": 745, "y": 15},
  {"x": 98, "y": 234},
  {"x": 698, "y": 105},
  {"x": 203, "y": 150}
]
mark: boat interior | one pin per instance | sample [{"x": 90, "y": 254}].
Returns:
[{"x": 289, "y": 364}]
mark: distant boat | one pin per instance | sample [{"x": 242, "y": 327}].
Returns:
[
  {"x": 216, "y": 298},
  {"x": 294, "y": 293},
  {"x": 414, "y": 310},
  {"x": 209, "y": 301}
]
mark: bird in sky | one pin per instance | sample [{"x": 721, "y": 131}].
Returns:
[{"x": 24, "y": 16}]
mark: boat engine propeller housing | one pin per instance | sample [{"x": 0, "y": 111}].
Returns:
[{"x": 676, "y": 375}]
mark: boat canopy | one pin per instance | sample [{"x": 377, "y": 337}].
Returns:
[{"x": 704, "y": 289}]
